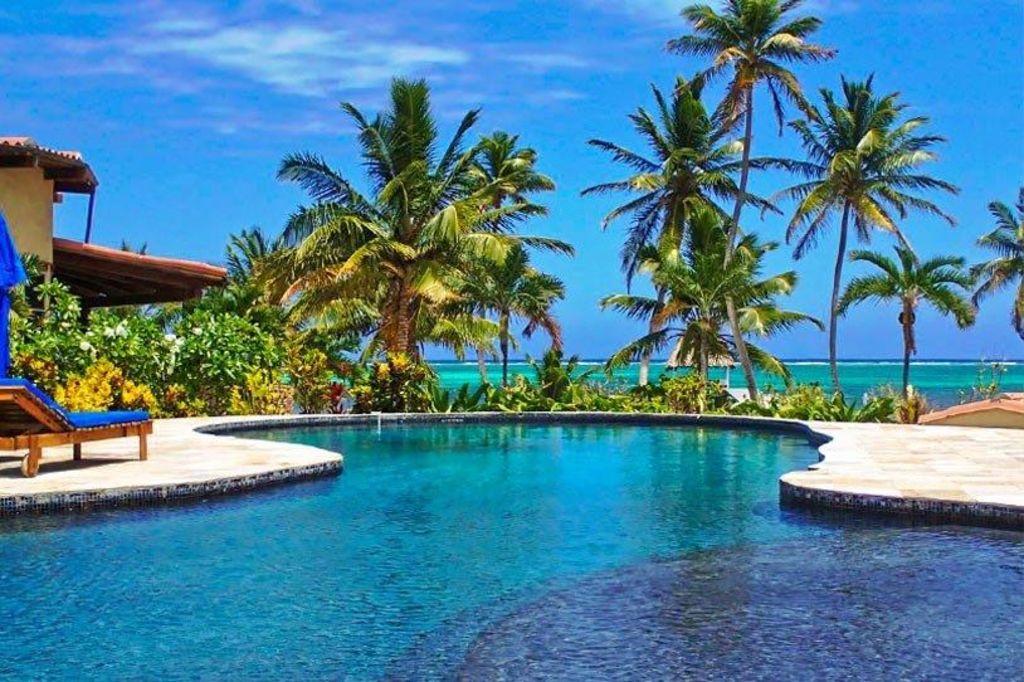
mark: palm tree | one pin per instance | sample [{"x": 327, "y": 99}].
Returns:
[
  {"x": 516, "y": 290},
  {"x": 513, "y": 171},
  {"x": 756, "y": 38},
  {"x": 693, "y": 318},
  {"x": 910, "y": 283},
  {"x": 246, "y": 251},
  {"x": 864, "y": 165},
  {"x": 399, "y": 250},
  {"x": 1007, "y": 268},
  {"x": 690, "y": 169}
]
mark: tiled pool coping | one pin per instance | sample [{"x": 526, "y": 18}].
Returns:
[
  {"x": 952, "y": 474},
  {"x": 184, "y": 463}
]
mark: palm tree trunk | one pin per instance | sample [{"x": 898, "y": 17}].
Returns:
[
  {"x": 503, "y": 342},
  {"x": 645, "y": 359},
  {"x": 837, "y": 282},
  {"x": 398, "y": 337},
  {"x": 481, "y": 364},
  {"x": 703, "y": 363},
  {"x": 909, "y": 347},
  {"x": 734, "y": 228},
  {"x": 906, "y": 361}
]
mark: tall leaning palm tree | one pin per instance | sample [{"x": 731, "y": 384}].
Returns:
[
  {"x": 939, "y": 282},
  {"x": 1007, "y": 268},
  {"x": 863, "y": 165},
  {"x": 691, "y": 167},
  {"x": 755, "y": 40},
  {"x": 398, "y": 250},
  {"x": 516, "y": 290}
]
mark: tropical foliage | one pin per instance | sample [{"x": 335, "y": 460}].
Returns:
[
  {"x": 427, "y": 248},
  {"x": 692, "y": 321},
  {"x": 1007, "y": 268},
  {"x": 691, "y": 167},
  {"x": 387, "y": 262},
  {"x": 939, "y": 282},
  {"x": 755, "y": 40},
  {"x": 863, "y": 165},
  {"x": 514, "y": 290}
]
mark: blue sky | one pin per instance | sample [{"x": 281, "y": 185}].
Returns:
[{"x": 185, "y": 108}]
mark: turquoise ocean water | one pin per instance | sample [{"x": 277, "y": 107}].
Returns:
[{"x": 941, "y": 381}]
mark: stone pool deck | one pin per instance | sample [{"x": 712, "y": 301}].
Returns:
[
  {"x": 961, "y": 474},
  {"x": 183, "y": 463}
]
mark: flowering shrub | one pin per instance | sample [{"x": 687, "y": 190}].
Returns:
[
  {"x": 215, "y": 353},
  {"x": 103, "y": 387},
  {"x": 309, "y": 375},
  {"x": 123, "y": 359},
  {"x": 134, "y": 342},
  {"x": 396, "y": 384},
  {"x": 261, "y": 393},
  {"x": 51, "y": 347}
]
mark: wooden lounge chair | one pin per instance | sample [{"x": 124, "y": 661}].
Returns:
[{"x": 31, "y": 420}]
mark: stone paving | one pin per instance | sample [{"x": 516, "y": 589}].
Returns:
[
  {"x": 954, "y": 471},
  {"x": 182, "y": 463}
]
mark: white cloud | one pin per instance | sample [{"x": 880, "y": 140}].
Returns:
[
  {"x": 548, "y": 61},
  {"x": 554, "y": 95},
  {"x": 253, "y": 56},
  {"x": 297, "y": 58}
]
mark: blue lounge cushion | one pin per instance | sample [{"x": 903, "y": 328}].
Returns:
[
  {"x": 91, "y": 420},
  {"x": 78, "y": 420}
]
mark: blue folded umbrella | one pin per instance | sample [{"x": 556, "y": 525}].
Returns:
[{"x": 11, "y": 275}]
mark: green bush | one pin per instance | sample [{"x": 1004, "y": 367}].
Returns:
[
  {"x": 395, "y": 384},
  {"x": 693, "y": 394},
  {"x": 809, "y": 402},
  {"x": 138, "y": 345},
  {"x": 310, "y": 375},
  {"x": 52, "y": 346},
  {"x": 215, "y": 353}
]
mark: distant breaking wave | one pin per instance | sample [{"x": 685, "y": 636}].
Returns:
[{"x": 791, "y": 363}]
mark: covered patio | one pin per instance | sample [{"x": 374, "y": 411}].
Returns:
[{"x": 33, "y": 180}]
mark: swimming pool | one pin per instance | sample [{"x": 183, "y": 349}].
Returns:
[{"x": 482, "y": 551}]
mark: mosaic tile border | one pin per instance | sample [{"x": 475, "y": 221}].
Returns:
[
  {"x": 944, "y": 511},
  {"x": 57, "y": 502}
]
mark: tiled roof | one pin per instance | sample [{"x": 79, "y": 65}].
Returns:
[
  {"x": 1008, "y": 402},
  {"x": 102, "y": 276},
  {"x": 20, "y": 141},
  {"x": 67, "y": 169}
]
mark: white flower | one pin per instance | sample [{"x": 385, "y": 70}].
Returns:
[{"x": 86, "y": 346}]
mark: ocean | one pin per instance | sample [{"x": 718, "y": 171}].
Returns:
[{"x": 942, "y": 382}]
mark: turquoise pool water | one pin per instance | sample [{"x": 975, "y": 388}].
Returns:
[{"x": 511, "y": 552}]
